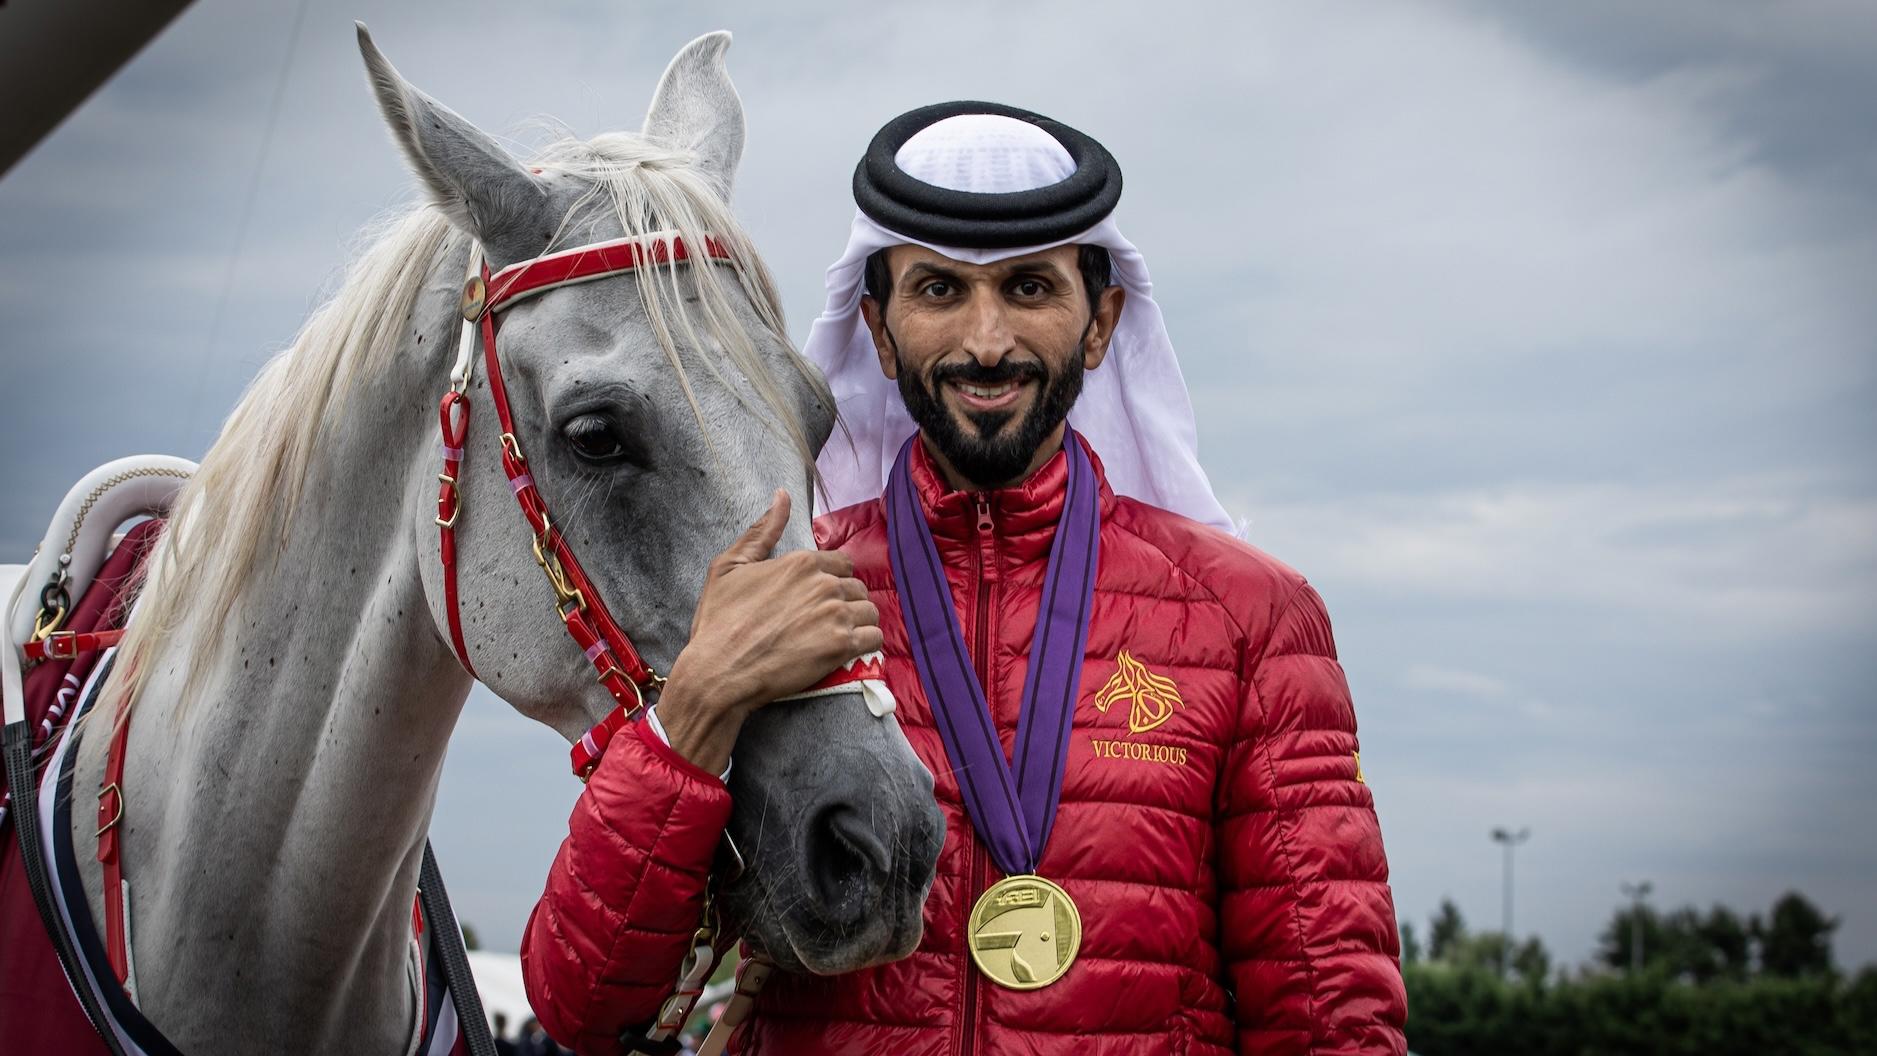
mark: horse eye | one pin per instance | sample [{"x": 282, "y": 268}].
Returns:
[{"x": 593, "y": 438}]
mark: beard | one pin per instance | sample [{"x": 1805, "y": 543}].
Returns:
[{"x": 981, "y": 448}]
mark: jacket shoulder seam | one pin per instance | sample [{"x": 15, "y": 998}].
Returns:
[{"x": 1237, "y": 624}]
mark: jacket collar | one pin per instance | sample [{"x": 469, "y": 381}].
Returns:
[{"x": 1023, "y": 515}]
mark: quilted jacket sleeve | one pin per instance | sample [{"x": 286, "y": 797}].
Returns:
[
  {"x": 1308, "y": 919},
  {"x": 625, "y": 894}
]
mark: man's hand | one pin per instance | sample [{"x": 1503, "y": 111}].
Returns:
[{"x": 764, "y": 628}]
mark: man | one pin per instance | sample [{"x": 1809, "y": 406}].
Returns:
[{"x": 1158, "y": 835}]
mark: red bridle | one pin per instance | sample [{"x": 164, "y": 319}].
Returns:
[{"x": 620, "y": 668}]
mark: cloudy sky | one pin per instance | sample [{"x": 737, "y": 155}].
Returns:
[{"x": 1543, "y": 342}]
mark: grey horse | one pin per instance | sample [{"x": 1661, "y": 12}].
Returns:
[{"x": 288, "y": 667}]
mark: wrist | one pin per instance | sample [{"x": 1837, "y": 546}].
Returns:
[{"x": 699, "y": 725}]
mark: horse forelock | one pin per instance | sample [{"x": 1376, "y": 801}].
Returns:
[{"x": 239, "y": 509}]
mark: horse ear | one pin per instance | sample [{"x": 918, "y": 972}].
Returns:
[
  {"x": 482, "y": 189},
  {"x": 696, "y": 108}
]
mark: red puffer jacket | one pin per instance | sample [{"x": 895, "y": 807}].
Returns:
[{"x": 1222, "y": 846}]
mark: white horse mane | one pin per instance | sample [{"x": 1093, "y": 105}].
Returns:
[{"x": 239, "y": 509}]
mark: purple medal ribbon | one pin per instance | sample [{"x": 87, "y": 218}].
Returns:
[{"x": 1013, "y": 812}]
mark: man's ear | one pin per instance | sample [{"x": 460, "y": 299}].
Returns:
[
  {"x": 1101, "y": 329},
  {"x": 875, "y": 317}
]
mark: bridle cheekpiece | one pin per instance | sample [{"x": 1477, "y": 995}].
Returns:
[{"x": 577, "y": 601}]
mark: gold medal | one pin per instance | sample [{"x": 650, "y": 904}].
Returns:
[{"x": 1024, "y": 932}]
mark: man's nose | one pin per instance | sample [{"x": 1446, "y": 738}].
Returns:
[{"x": 988, "y": 338}]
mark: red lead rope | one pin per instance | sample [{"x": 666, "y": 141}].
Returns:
[{"x": 617, "y": 664}]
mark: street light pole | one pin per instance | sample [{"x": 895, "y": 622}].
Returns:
[
  {"x": 1510, "y": 840},
  {"x": 1636, "y": 893}
]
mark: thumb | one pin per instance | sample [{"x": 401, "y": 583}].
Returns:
[{"x": 759, "y": 540}]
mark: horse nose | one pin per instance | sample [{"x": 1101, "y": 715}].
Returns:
[{"x": 846, "y": 859}]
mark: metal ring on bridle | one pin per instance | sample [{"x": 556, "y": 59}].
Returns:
[{"x": 898, "y": 202}]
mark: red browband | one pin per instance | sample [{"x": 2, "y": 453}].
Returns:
[
  {"x": 531, "y": 278},
  {"x": 577, "y": 601}
]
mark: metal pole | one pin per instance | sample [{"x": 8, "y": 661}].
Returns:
[
  {"x": 1636, "y": 893},
  {"x": 1635, "y": 939},
  {"x": 1509, "y": 840},
  {"x": 1508, "y": 923}
]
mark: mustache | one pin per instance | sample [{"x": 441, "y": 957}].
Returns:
[{"x": 971, "y": 372}]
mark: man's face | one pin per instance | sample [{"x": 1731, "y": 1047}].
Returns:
[{"x": 989, "y": 357}]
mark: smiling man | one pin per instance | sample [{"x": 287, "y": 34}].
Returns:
[
  {"x": 1158, "y": 837},
  {"x": 987, "y": 414}
]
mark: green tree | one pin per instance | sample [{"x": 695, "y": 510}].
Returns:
[
  {"x": 1684, "y": 943},
  {"x": 1485, "y": 951},
  {"x": 1796, "y": 938},
  {"x": 1410, "y": 944},
  {"x": 1614, "y": 942},
  {"x": 1531, "y": 961},
  {"x": 1446, "y": 931},
  {"x": 470, "y": 942},
  {"x": 1729, "y": 946},
  {"x": 1860, "y": 1010}
]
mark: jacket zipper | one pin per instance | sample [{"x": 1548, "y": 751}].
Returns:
[{"x": 980, "y": 657}]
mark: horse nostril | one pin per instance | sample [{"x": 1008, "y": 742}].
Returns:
[{"x": 843, "y": 851}]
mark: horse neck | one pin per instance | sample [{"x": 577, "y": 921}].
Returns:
[{"x": 277, "y": 819}]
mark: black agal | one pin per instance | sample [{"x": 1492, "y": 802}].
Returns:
[{"x": 973, "y": 220}]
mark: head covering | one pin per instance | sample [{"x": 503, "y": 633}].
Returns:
[{"x": 981, "y": 182}]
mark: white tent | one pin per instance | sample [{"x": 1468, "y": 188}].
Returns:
[{"x": 498, "y": 979}]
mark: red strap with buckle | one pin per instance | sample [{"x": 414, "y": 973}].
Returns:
[
  {"x": 67, "y": 645},
  {"x": 453, "y": 425},
  {"x": 110, "y": 819}
]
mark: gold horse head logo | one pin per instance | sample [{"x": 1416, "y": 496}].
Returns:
[{"x": 1151, "y": 698}]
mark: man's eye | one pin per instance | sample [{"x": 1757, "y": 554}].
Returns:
[
  {"x": 1030, "y": 288},
  {"x": 938, "y": 288},
  {"x": 593, "y": 439}
]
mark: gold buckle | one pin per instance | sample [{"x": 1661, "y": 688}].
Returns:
[
  {"x": 564, "y": 591},
  {"x": 51, "y": 645},
  {"x": 513, "y": 447},
  {"x": 456, "y": 505},
  {"x": 115, "y": 818},
  {"x": 638, "y": 695}
]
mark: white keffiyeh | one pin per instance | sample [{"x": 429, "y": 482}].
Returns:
[{"x": 1134, "y": 408}]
